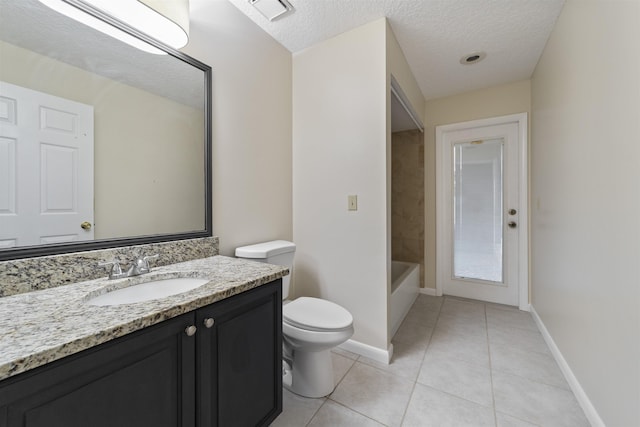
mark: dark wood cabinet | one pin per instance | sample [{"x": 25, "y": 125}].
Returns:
[
  {"x": 228, "y": 374},
  {"x": 144, "y": 378},
  {"x": 242, "y": 354}
]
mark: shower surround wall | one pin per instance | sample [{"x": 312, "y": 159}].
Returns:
[{"x": 407, "y": 198}]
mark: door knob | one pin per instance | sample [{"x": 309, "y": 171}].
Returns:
[
  {"x": 512, "y": 224},
  {"x": 86, "y": 225},
  {"x": 190, "y": 331},
  {"x": 208, "y": 322}
]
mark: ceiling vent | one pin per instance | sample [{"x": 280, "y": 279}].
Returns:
[{"x": 272, "y": 9}]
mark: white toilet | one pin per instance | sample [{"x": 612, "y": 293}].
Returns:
[{"x": 311, "y": 327}]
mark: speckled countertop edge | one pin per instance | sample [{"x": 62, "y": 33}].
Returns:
[{"x": 42, "y": 326}]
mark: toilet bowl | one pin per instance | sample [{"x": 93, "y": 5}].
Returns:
[{"x": 311, "y": 327}]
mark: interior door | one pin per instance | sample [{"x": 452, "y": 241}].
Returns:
[
  {"x": 46, "y": 164},
  {"x": 480, "y": 203}
]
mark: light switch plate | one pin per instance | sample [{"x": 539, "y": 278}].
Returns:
[{"x": 353, "y": 202}]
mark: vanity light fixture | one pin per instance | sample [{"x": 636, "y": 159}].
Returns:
[
  {"x": 272, "y": 9},
  {"x": 165, "y": 21}
]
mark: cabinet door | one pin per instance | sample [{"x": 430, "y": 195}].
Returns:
[
  {"x": 240, "y": 359},
  {"x": 142, "y": 379}
]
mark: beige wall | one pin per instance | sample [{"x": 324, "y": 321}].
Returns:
[
  {"x": 161, "y": 196},
  {"x": 586, "y": 200},
  {"x": 407, "y": 198},
  {"x": 491, "y": 102},
  {"x": 340, "y": 148},
  {"x": 251, "y": 125},
  {"x": 397, "y": 66}
]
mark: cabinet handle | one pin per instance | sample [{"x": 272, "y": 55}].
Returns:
[
  {"x": 190, "y": 330},
  {"x": 208, "y": 322}
]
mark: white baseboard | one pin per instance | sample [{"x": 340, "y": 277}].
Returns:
[
  {"x": 374, "y": 353},
  {"x": 525, "y": 307},
  {"x": 428, "y": 291},
  {"x": 584, "y": 401}
]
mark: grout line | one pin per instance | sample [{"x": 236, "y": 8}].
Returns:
[
  {"x": 535, "y": 381},
  {"x": 345, "y": 374},
  {"x": 493, "y": 397},
  {"x": 424, "y": 355},
  {"x": 316, "y": 412},
  {"x": 406, "y": 408},
  {"x": 334, "y": 389},
  {"x": 353, "y": 410},
  {"x": 519, "y": 418},
  {"x": 462, "y": 361},
  {"x": 456, "y": 396}
]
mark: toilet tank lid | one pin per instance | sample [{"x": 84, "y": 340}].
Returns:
[{"x": 266, "y": 249}]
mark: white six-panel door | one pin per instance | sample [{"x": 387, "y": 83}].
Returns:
[{"x": 46, "y": 168}]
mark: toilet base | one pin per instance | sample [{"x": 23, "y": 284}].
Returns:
[{"x": 312, "y": 374}]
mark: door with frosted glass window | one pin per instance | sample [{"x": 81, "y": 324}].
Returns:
[{"x": 479, "y": 199}]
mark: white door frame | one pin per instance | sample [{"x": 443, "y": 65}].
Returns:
[{"x": 523, "y": 209}]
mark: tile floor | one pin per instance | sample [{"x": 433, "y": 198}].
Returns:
[{"x": 456, "y": 363}]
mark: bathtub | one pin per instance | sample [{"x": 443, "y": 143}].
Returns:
[{"x": 405, "y": 286}]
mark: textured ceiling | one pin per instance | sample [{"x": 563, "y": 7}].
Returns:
[
  {"x": 434, "y": 35},
  {"x": 31, "y": 25}
]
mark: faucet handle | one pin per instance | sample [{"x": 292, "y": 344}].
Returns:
[
  {"x": 115, "y": 272},
  {"x": 145, "y": 261},
  {"x": 148, "y": 257},
  {"x": 141, "y": 265}
]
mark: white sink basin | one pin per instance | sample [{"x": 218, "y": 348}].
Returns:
[{"x": 148, "y": 291}]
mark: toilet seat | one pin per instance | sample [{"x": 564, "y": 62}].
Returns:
[{"x": 315, "y": 314}]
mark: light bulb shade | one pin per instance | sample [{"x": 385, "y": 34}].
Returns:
[
  {"x": 175, "y": 28},
  {"x": 164, "y": 20},
  {"x": 97, "y": 24}
]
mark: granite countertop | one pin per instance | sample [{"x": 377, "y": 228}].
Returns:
[{"x": 42, "y": 326}]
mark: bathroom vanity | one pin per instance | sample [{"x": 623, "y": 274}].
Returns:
[{"x": 207, "y": 357}]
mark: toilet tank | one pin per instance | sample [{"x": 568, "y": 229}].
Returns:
[{"x": 278, "y": 252}]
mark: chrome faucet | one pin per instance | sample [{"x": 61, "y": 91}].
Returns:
[
  {"x": 115, "y": 272},
  {"x": 140, "y": 266}
]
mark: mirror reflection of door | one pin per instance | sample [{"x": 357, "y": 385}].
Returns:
[{"x": 46, "y": 168}]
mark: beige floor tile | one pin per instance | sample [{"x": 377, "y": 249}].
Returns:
[
  {"x": 341, "y": 366},
  {"x": 457, "y": 377},
  {"x": 465, "y": 309},
  {"x": 453, "y": 324},
  {"x": 374, "y": 393},
  {"x": 414, "y": 332},
  {"x": 460, "y": 347},
  {"x": 502, "y": 307},
  {"x": 430, "y": 407},
  {"x": 528, "y": 364},
  {"x": 332, "y": 414},
  {"x": 503, "y": 420},
  {"x": 428, "y": 301},
  {"x": 297, "y": 411},
  {"x": 520, "y": 339},
  {"x": 536, "y": 403},
  {"x": 446, "y": 345},
  {"x": 425, "y": 309},
  {"x": 510, "y": 318},
  {"x": 406, "y": 360},
  {"x": 345, "y": 353}
]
